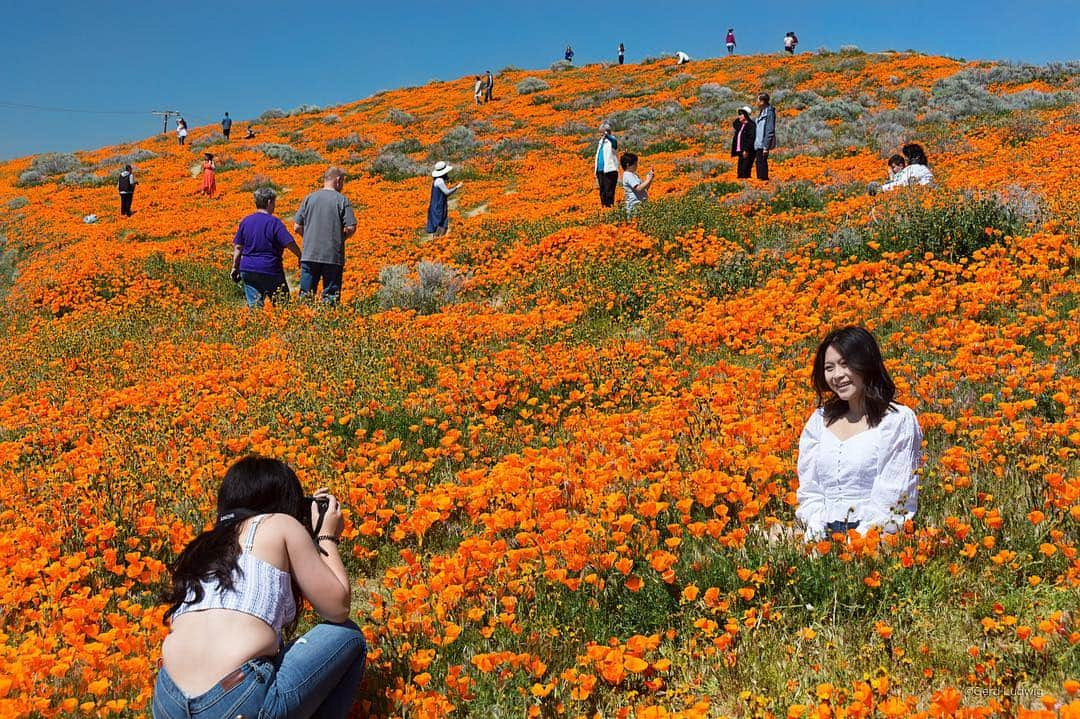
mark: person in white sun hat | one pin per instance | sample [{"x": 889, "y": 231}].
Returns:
[{"x": 438, "y": 214}]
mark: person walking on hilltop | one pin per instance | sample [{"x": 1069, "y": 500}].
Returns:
[
  {"x": 226, "y": 125},
  {"x": 681, "y": 58},
  {"x": 764, "y": 136},
  {"x": 489, "y": 86},
  {"x": 742, "y": 142},
  {"x": 730, "y": 41},
  {"x": 622, "y": 53},
  {"x": 209, "y": 181},
  {"x": 478, "y": 90},
  {"x": 181, "y": 130},
  {"x": 258, "y": 247},
  {"x": 325, "y": 220},
  {"x": 438, "y": 214},
  {"x": 568, "y": 55},
  {"x": 126, "y": 187},
  {"x": 607, "y": 165},
  {"x": 790, "y": 41}
]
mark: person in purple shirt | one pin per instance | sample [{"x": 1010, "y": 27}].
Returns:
[{"x": 258, "y": 247}]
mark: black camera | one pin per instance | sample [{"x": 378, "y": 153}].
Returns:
[{"x": 323, "y": 503}]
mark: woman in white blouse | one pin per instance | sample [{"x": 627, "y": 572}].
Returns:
[
  {"x": 860, "y": 452},
  {"x": 917, "y": 171}
]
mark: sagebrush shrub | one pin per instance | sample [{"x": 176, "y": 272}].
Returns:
[
  {"x": 55, "y": 163},
  {"x": 457, "y": 144},
  {"x": 214, "y": 138},
  {"x": 258, "y": 181},
  {"x": 394, "y": 166},
  {"x": 28, "y": 178},
  {"x": 275, "y": 113},
  {"x": 304, "y": 109},
  {"x": 352, "y": 141},
  {"x": 128, "y": 158},
  {"x": 288, "y": 155},
  {"x": 435, "y": 286},
  {"x": 716, "y": 91},
  {"x": 399, "y": 117},
  {"x": 530, "y": 85}
]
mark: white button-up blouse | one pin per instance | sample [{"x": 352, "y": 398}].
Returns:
[{"x": 869, "y": 478}]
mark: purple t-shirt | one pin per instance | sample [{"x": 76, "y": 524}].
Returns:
[{"x": 262, "y": 239}]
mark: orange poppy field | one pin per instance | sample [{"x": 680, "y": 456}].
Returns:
[{"x": 567, "y": 440}]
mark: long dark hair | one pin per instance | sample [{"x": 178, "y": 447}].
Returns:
[
  {"x": 914, "y": 153},
  {"x": 253, "y": 485},
  {"x": 862, "y": 355}
]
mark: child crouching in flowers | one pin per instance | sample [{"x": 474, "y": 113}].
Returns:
[{"x": 860, "y": 451}]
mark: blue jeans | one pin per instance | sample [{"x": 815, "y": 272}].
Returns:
[
  {"x": 260, "y": 285},
  {"x": 317, "y": 675},
  {"x": 312, "y": 272},
  {"x": 840, "y": 526}
]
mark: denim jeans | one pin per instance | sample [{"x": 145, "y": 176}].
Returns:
[
  {"x": 260, "y": 285},
  {"x": 317, "y": 675},
  {"x": 839, "y": 526},
  {"x": 312, "y": 272}
]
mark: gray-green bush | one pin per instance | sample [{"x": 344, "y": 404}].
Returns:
[
  {"x": 352, "y": 141},
  {"x": 399, "y": 117},
  {"x": 288, "y": 155},
  {"x": 457, "y": 144},
  {"x": 394, "y": 166},
  {"x": 530, "y": 85},
  {"x": 435, "y": 286}
]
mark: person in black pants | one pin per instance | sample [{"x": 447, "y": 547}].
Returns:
[
  {"x": 126, "y": 186},
  {"x": 742, "y": 142},
  {"x": 607, "y": 165},
  {"x": 764, "y": 136}
]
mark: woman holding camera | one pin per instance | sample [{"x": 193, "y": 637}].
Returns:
[{"x": 235, "y": 596}]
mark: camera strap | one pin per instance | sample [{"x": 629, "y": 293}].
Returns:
[{"x": 238, "y": 514}]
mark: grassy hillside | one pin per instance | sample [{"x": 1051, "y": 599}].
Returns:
[{"x": 565, "y": 452}]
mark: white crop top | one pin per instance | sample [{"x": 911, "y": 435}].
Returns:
[{"x": 260, "y": 589}]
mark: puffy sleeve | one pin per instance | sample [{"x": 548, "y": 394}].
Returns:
[
  {"x": 811, "y": 496},
  {"x": 894, "y": 497}
]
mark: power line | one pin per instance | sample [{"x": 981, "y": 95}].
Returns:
[{"x": 41, "y": 108}]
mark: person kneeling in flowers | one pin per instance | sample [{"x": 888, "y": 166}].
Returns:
[
  {"x": 860, "y": 451},
  {"x": 236, "y": 592}
]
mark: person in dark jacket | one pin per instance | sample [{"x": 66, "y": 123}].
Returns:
[
  {"x": 126, "y": 187},
  {"x": 742, "y": 142}
]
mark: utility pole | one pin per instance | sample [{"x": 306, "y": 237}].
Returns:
[{"x": 165, "y": 118}]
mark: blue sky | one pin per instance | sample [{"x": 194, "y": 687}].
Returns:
[{"x": 205, "y": 58}]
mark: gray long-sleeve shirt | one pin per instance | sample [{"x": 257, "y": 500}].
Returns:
[{"x": 765, "y": 135}]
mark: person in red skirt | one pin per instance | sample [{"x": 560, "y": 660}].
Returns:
[{"x": 209, "y": 183}]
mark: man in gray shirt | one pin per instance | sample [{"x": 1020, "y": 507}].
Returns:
[
  {"x": 325, "y": 219},
  {"x": 765, "y": 137}
]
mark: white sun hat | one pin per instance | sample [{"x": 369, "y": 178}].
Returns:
[{"x": 441, "y": 168}]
